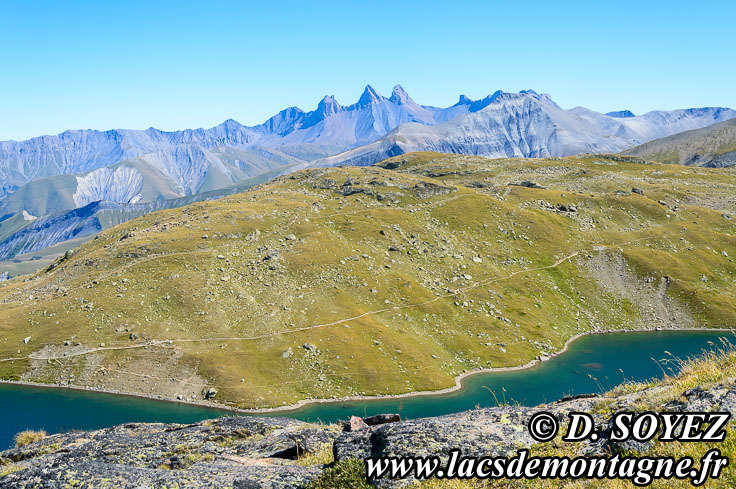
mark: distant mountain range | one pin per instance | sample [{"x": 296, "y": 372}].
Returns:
[
  {"x": 49, "y": 176},
  {"x": 527, "y": 124}
]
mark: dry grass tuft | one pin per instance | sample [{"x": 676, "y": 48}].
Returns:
[{"x": 29, "y": 436}]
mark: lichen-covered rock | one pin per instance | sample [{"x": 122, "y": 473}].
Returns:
[
  {"x": 721, "y": 397},
  {"x": 481, "y": 432},
  {"x": 244, "y": 452}
]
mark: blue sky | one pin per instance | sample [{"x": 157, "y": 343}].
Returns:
[{"x": 175, "y": 65}]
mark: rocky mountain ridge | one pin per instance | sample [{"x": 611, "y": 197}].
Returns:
[{"x": 528, "y": 125}]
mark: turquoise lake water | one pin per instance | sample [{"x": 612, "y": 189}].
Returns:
[{"x": 592, "y": 364}]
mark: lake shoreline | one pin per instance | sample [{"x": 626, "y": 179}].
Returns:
[{"x": 305, "y": 402}]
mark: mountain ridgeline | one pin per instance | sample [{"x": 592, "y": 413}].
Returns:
[
  {"x": 49, "y": 176},
  {"x": 712, "y": 146},
  {"x": 195, "y": 160}
]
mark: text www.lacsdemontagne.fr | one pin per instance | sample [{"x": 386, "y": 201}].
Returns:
[{"x": 641, "y": 471}]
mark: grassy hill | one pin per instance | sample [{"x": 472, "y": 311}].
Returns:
[
  {"x": 712, "y": 146},
  {"x": 387, "y": 279}
]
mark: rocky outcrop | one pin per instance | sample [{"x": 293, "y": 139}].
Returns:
[{"x": 245, "y": 452}]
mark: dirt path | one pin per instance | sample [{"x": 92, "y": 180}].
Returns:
[
  {"x": 159, "y": 343},
  {"x": 169, "y": 343},
  {"x": 157, "y": 256}
]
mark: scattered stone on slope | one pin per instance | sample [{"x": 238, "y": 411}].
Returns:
[{"x": 527, "y": 184}]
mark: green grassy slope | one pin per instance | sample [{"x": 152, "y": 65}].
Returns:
[
  {"x": 713, "y": 146},
  {"x": 396, "y": 278}
]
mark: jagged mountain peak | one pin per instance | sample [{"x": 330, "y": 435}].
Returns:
[
  {"x": 621, "y": 114},
  {"x": 463, "y": 100},
  {"x": 485, "y": 101},
  {"x": 284, "y": 121},
  {"x": 231, "y": 124},
  {"x": 328, "y": 105},
  {"x": 399, "y": 96},
  {"x": 369, "y": 97}
]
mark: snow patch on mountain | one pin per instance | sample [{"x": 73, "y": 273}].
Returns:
[
  {"x": 28, "y": 217},
  {"x": 122, "y": 185}
]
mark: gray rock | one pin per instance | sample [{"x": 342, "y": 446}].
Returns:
[
  {"x": 382, "y": 419},
  {"x": 527, "y": 184},
  {"x": 353, "y": 444},
  {"x": 425, "y": 190},
  {"x": 281, "y": 477},
  {"x": 225, "y": 452}
]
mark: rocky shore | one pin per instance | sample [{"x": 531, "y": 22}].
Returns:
[{"x": 281, "y": 453}]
